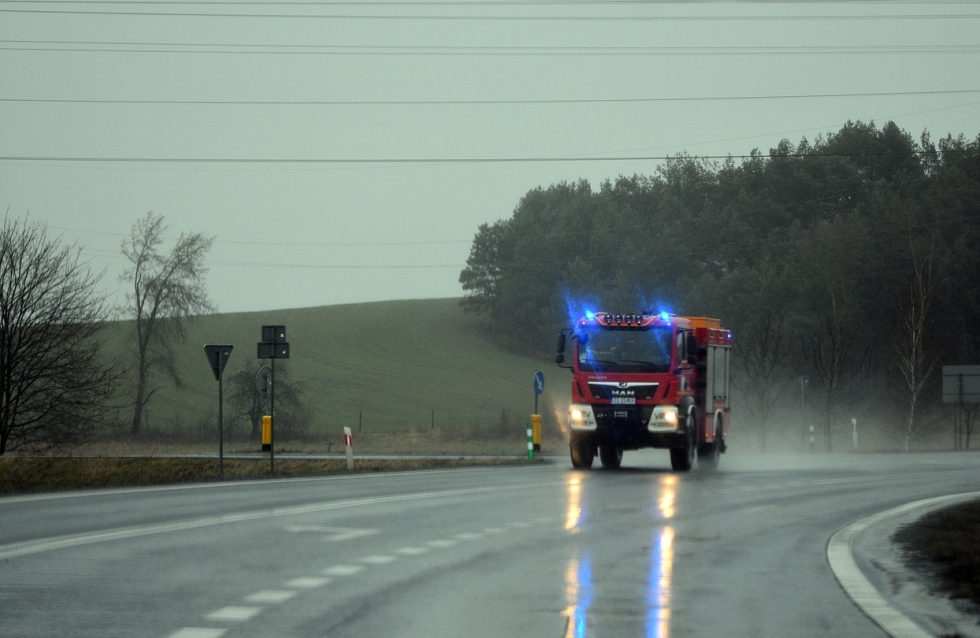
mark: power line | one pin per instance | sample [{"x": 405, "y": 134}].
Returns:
[
  {"x": 441, "y": 3},
  {"x": 292, "y": 244},
  {"x": 203, "y": 48},
  {"x": 639, "y": 100},
  {"x": 503, "y": 18},
  {"x": 421, "y": 160}
]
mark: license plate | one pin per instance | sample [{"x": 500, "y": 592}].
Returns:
[{"x": 624, "y": 400}]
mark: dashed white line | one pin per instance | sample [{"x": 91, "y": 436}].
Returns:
[
  {"x": 443, "y": 543},
  {"x": 274, "y": 596},
  {"x": 271, "y": 596},
  {"x": 237, "y": 614},
  {"x": 342, "y": 570},
  {"x": 307, "y": 582},
  {"x": 197, "y": 632}
]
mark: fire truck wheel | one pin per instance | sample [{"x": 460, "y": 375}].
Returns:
[
  {"x": 583, "y": 451},
  {"x": 682, "y": 458},
  {"x": 611, "y": 456},
  {"x": 709, "y": 453}
]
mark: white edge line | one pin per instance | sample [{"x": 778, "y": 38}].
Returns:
[
  {"x": 29, "y": 498},
  {"x": 25, "y": 548},
  {"x": 859, "y": 588}
]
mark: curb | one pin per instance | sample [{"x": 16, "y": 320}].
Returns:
[{"x": 841, "y": 559}]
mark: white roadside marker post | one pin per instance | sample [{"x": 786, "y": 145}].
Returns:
[
  {"x": 349, "y": 446},
  {"x": 530, "y": 443}
]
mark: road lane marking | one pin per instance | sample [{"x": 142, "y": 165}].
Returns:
[
  {"x": 858, "y": 588},
  {"x": 443, "y": 543},
  {"x": 307, "y": 582},
  {"x": 332, "y": 534},
  {"x": 270, "y": 596},
  {"x": 26, "y": 548},
  {"x": 237, "y": 614},
  {"x": 197, "y": 632},
  {"x": 342, "y": 570},
  {"x": 275, "y": 596}
]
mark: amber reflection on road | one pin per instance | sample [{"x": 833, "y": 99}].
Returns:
[{"x": 573, "y": 513}]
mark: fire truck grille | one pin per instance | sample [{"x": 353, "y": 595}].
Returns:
[
  {"x": 622, "y": 419},
  {"x": 645, "y": 391}
]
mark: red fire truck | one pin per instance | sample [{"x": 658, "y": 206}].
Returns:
[{"x": 648, "y": 380}]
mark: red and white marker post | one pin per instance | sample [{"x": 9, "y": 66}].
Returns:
[{"x": 349, "y": 446}]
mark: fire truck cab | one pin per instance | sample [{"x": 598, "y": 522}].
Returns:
[{"x": 647, "y": 380}]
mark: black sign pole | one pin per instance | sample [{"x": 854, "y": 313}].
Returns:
[
  {"x": 217, "y": 358},
  {"x": 272, "y": 415},
  {"x": 221, "y": 426}
]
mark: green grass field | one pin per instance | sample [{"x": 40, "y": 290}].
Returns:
[{"x": 391, "y": 366}]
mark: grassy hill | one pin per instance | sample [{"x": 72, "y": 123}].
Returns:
[{"x": 393, "y": 366}]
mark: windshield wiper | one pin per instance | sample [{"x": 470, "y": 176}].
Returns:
[
  {"x": 599, "y": 362},
  {"x": 650, "y": 364}
]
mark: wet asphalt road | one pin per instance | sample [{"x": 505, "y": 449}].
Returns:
[{"x": 540, "y": 551}]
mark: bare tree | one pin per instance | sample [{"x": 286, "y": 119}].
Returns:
[
  {"x": 166, "y": 290},
  {"x": 832, "y": 329},
  {"x": 912, "y": 342},
  {"x": 292, "y": 414},
  {"x": 761, "y": 312},
  {"x": 247, "y": 405},
  {"x": 54, "y": 382}
]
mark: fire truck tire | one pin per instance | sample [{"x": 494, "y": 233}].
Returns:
[
  {"x": 710, "y": 453},
  {"x": 582, "y": 451},
  {"x": 611, "y": 456},
  {"x": 682, "y": 458}
]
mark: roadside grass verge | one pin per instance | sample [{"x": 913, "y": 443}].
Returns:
[
  {"x": 45, "y": 474},
  {"x": 947, "y": 544}
]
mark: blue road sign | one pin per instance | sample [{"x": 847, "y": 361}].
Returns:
[{"x": 538, "y": 382}]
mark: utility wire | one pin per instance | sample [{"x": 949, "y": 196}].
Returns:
[
  {"x": 504, "y": 18},
  {"x": 421, "y": 160},
  {"x": 203, "y": 48},
  {"x": 801, "y": 96}
]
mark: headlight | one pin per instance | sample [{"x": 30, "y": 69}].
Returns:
[
  {"x": 670, "y": 416},
  {"x": 576, "y": 414}
]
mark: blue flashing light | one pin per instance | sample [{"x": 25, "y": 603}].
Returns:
[
  {"x": 590, "y": 315},
  {"x": 665, "y": 317}
]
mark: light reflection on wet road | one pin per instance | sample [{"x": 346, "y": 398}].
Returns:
[{"x": 543, "y": 551}]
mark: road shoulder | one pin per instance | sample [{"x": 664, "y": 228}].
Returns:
[{"x": 870, "y": 568}]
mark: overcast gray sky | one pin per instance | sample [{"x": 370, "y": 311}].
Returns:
[{"x": 368, "y": 94}]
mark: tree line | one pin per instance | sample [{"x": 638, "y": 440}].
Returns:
[{"x": 846, "y": 268}]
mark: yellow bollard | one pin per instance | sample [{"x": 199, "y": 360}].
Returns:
[
  {"x": 266, "y": 433},
  {"x": 536, "y": 431}
]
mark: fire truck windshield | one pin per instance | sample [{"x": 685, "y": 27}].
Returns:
[{"x": 624, "y": 350}]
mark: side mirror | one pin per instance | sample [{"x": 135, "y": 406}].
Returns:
[
  {"x": 560, "y": 358},
  {"x": 692, "y": 349},
  {"x": 561, "y": 344}
]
